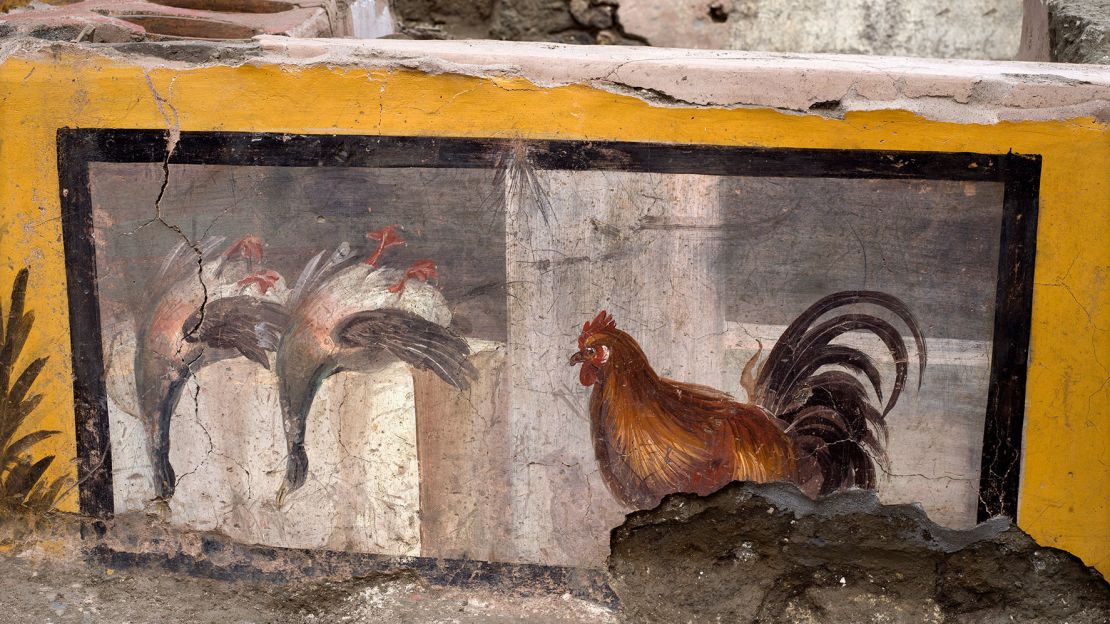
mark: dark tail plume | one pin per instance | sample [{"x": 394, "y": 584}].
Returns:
[{"x": 838, "y": 431}]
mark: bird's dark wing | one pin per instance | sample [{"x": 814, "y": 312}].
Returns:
[
  {"x": 246, "y": 324},
  {"x": 412, "y": 339}
]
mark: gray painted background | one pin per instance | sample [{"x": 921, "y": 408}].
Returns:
[
  {"x": 695, "y": 267},
  {"x": 299, "y": 211}
]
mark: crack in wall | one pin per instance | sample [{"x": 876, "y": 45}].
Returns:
[
  {"x": 208, "y": 435},
  {"x": 173, "y": 135}
]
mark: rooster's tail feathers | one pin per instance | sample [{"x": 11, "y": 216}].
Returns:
[{"x": 829, "y": 413}]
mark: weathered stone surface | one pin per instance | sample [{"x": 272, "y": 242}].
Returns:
[
  {"x": 563, "y": 21},
  {"x": 1079, "y": 30},
  {"x": 121, "y": 21},
  {"x": 755, "y": 553},
  {"x": 459, "y": 18},
  {"x": 591, "y": 14},
  {"x": 747, "y": 554},
  {"x": 1034, "y": 32},
  {"x": 37, "y": 591},
  {"x": 965, "y": 92},
  {"x": 137, "y": 543},
  {"x": 946, "y": 29}
]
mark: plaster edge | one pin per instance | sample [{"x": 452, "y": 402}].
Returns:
[{"x": 826, "y": 85}]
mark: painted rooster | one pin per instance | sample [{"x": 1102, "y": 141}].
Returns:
[
  {"x": 207, "y": 306},
  {"x": 806, "y": 423},
  {"x": 351, "y": 315}
]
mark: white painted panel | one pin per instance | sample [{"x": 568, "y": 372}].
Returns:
[{"x": 228, "y": 451}]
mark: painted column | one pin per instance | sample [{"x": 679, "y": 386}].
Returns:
[
  {"x": 463, "y": 449},
  {"x": 642, "y": 246}
]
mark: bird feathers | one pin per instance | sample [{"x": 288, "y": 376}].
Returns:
[
  {"x": 339, "y": 315},
  {"x": 411, "y": 339},
  {"x": 184, "y": 259},
  {"x": 828, "y": 412},
  {"x": 247, "y": 324},
  {"x": 654, "y": 436},
  {"x": 811, "y": 419},
  {"x": 317, "y": 271}
]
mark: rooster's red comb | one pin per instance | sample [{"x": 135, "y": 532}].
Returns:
[{"x": 602, "y": 322}]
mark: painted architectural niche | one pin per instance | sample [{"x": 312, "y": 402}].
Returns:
[{"x": 493, "y": 350}]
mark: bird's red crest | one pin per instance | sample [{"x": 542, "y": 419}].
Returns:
[
  {"x": 249, "y": 247},
  {"x": 387, "y": 237},
  {"x": 602, "y": 322},
  {"x": 264, "y": 279}
]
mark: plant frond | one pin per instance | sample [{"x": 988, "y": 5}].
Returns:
[
  {"x": 23, "y": 383},
  {"x": 45, "y": 494},
  {"x": 22, "y": 483},
  {"x": 22, "y": 445},
  {"x": 18, "y": 330},
  {"x": 19, "y": 296},
  {"x": 21, "y": 479}
]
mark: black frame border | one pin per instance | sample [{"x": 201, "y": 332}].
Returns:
[{"x": 1020, "y": 174}]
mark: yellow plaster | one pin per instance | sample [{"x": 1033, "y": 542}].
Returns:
[{"x": 1065, "y": 496}]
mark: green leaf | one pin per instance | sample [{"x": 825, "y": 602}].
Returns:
[
  {"x": 14, "y": 417},
  {"x": 23, "y": 384},
  {"x": 44, "y": 496},
  {"x": 26, "y": 442},
  {"x": 22, "y": 479},
  {"x": 19, "y": 295}
]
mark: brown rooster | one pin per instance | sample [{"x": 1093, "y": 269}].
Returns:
[{"x": 808, "y": 424}]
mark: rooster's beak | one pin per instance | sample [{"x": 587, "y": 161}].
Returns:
[{"x": 577, "y": 358}]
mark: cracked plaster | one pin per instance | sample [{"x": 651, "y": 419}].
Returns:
[{"x": 829, "y": 85}]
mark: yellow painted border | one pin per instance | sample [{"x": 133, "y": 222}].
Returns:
[{"x": 1065, "y": 496}]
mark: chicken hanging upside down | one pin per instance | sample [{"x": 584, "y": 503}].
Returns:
[{"x": 808, "y": 424}]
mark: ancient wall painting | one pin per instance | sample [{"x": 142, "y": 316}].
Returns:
[{"x": 493, "y": 350}]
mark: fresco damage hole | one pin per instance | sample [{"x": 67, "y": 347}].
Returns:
[
  {"x": 767, "y": 553},
  {"x": 718, "y": 13}
]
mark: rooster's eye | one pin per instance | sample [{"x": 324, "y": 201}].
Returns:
[{"x": 590, "y": 351}]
